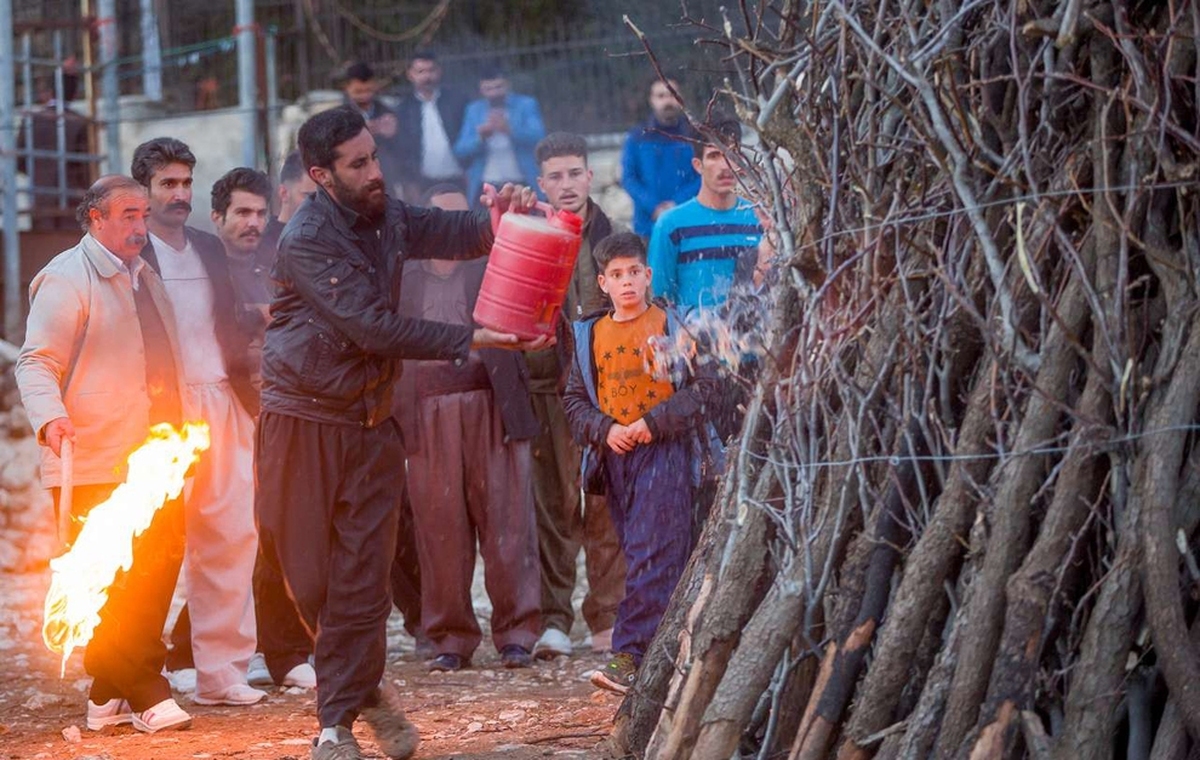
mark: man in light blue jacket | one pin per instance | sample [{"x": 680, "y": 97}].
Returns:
[{"x": 498, "y": 134}]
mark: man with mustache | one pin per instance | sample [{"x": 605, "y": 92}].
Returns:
[
  {"x": 98, "y": 368},
  {"x": 329, "y": 455},
  {"x": 656, "y": 162},
  {"x": 700, "y": 247},
  {"x": 222, "y": 540}
]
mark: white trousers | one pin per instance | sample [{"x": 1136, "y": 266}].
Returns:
[{"x": 222, "y": 541}]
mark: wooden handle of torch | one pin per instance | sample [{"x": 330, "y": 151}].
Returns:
[{"x": 67, "y": 490}]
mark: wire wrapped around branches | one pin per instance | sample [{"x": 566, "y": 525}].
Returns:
[{"x": 970, "y": 468}]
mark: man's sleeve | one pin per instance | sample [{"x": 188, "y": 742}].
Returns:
[
  {"x": 469, "y": 144},
  {"x": 346, "y": 297},
  {"x": 663, "y": 258},
  {"x": 527, "y": 129},
  {"x": 433, "y": 233},
  {"x": 57, "y": 314},
  {"x": 631, "y": 176}
]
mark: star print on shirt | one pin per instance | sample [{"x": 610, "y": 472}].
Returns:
[
  {"x": 624, "y": 411},
  {"x": 620, "y": 349},
  {"x": 641, "y": 407},
  {"x": 651, "y": 394},
  {"x": 607, "y": 355}
]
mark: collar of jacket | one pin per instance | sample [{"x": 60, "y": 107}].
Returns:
[
  {"x": 597, "y": 227},
  {"x": 99, "y": 257},
  {"x": 681, "y": 128},
  {"x": 393, "y": 215}
]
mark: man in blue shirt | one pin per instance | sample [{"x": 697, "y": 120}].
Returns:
[
  {"x": 656, "y": 163},
  {"x": 498, "y": 134},
  {"x": 698, "y": 248}
]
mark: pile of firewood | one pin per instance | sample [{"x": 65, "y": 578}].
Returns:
[{"x": 961, "y": 519}]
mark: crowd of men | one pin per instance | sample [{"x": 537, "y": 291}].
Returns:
[{"x": 368, "y": 439}]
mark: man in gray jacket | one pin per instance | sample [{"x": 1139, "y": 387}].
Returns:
[{"x": 98, "y": 368}]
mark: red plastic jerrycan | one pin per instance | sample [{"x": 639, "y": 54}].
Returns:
[{"x": 529, "y": 270}]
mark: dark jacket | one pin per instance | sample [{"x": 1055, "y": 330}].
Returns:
[
  {"x": 506, "y": 371},
  {"x": 335, "y": 334},
  {"x": 233, "y": 340},
  {"x": 685, "y": 415},
  {"x": 410, "y": 136}
]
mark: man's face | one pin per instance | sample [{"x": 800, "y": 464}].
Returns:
[
  {"x": 355, "y": 180},
  {"x": 626, "y": 280},
  {"x": 567, "y": 182},
  {"x": 171, "y": 195},
  {"x": 360, "y": 92},
  {"x": 494, "y": 91},
  {"x": 241, "y": 226},
  {"x": 664, "y": 105},
  {"x": 292, "y": 194},
  {"x": 424, "y": 75},
  {"x": 716, "y": 175},
  {"x": 121, "y": 228}
]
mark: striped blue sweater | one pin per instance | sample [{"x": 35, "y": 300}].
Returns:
[{"x": 694, "y": 251}]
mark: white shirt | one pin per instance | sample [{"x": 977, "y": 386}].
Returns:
[
  {"x": 501, "y": 164},
  {"x": 191, "y": 295},
  {"x": 134, "y": 267},
  {"x": 437, "y": 155}
]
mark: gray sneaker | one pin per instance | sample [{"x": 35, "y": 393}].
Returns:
[
  {"x": 393, "y": 733},
  {"x": 345, "y": 748}
]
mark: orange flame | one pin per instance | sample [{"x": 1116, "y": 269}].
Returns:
[{"x": 79, "y": 587}]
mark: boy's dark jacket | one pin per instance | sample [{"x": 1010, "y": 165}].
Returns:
[{"x": 683, "y": 415}]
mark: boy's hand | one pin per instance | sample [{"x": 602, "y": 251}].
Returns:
[
  {"x": 619, "y": 439},
  {"x": 639, "y": 432}
]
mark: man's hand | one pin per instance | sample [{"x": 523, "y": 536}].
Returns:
[
  {"x": 619, "y": 440},
  {"x": 639, "y": 431},
  {"x": 518, "y": 198},
  {"x": 488, "y": 338},
  {"x": 384, "y": 126},
  {"x": 56, "y": 431},
  {"x": 661, "y": 209}
]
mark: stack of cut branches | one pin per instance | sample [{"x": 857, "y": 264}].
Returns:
[{"x": 962, "y": 514}]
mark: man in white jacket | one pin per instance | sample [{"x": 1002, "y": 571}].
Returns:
[{"x": 99, "y": 367}]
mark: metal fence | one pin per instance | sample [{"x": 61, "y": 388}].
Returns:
[{"x": 579, "y": 60}]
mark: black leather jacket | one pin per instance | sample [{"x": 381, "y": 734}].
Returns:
[{"x": 331, "y": 349}]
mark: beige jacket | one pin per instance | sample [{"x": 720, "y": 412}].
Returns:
[{"x": 84, "y": 359}]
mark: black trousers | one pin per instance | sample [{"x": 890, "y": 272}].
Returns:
[
  {"x": 327, "y": 499},
  {"x": 126, "y": 654},
  {"x": 406, "y": 568}
]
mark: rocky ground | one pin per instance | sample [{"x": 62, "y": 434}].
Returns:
[{"x": 549, "y": 710}]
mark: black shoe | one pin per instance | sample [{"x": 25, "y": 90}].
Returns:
[
  {"x": 447, "y": 662},
  {"x": 515, "y": 656}
]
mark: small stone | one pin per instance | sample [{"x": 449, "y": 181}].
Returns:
[
  {"x": 474, "y": 727},
  {"x": 42, "y": 701},
  {"x": 511, "y": 716},
  {"x": 72, "y": 734}
]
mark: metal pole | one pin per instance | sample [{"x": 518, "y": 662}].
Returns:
[
  {"x": 60, "y": 122},
  {"x": 247, "y": 81},
  {"x": 151, "y": 54},
  {"x": 272, "y": 97},
  {"x": 8, "y": 173},
  {"x": 109, "y": 85}
]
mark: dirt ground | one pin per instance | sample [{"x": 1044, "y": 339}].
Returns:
[{"x": 549, "y": 710}]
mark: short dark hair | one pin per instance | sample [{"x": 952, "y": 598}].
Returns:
[
  {"x": 359, "y": 71},
  {"x": 492, "y": 69},
  {"x": 292, "y": 169},
  {"x": 441, "y": 188},
  {"x": 727, "y": 133},
  {"x": 558, "y": 144},
  {"x": 96, "y": 196},
  {"x": 241, "y": 178},
  {"x": 321, "y": 135},
  {"x": 424, "y": 54},
  {"x": 617, "y": 246},
  {"x": 151, "y": 156}
]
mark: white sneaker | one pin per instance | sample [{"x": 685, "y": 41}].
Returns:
[
  {"x": 257, "y": 673},
  {"x": 183, "y": 680},
  {"x": 302, "y": 676},
  {"x": 553, "y": 643},
  {"x": 602, "y": 641},
  {"x": 114, "y": 712},
  {"x": 238, "y": 695},
  {"x": 163, "y": 716}
]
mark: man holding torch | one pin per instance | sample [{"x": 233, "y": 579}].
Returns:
[
  {"x": 328, "y": 450},
  {"x": 98, "y": 368}
]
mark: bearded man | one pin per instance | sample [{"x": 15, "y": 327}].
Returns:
[{"x": 329, "y": 453}]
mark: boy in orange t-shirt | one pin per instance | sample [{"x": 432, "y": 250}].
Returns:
[{"x": 643, "y": 429}]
